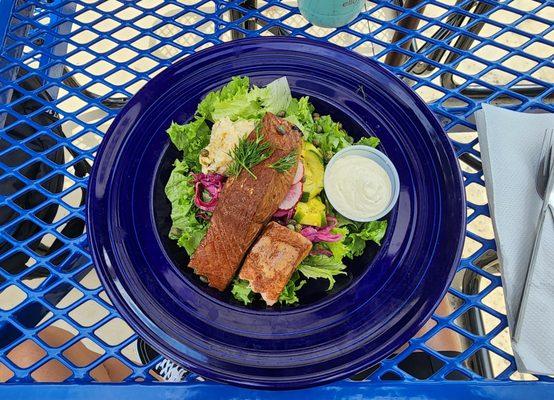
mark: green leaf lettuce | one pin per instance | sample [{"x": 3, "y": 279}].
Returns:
[
  {"x": 288, "y": 295},
  {"x": 190, "y": 138},
  {"x": 318, "y": 266},
  {"x": 237, "y": 100},
  {"x": 186, "y": 228},
  {"x": 361, "y": 232},
  {"x": 241, "y": 291},
  {"x": 371, "y": 141}
]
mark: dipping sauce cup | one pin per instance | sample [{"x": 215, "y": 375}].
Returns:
[{"x": 357, "y": 186}]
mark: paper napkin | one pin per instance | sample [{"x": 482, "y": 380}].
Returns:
[{"x": 510, "y": 145}]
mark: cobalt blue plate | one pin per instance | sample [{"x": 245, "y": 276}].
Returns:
[{"x": 390, "y": 291}]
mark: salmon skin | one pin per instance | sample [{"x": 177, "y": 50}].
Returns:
[
  {"x": 245, "y": 206},
  {"x": 272, "y": 260}
]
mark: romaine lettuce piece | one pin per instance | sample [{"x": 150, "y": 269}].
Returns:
[
  {"x": 277, "y": 96},
  {"x": 299, "y": 112}
]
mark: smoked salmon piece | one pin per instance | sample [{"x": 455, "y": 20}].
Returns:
[
  {"x": 273, "y": 259},
  {"x": 245, "y": 205}
]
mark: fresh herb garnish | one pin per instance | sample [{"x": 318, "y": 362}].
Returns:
[
  {"x": 285, "y": 163},
  {"x": 248, "y": 153}
]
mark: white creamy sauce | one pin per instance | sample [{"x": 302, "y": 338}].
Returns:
[{"x": 358, "y": 186}]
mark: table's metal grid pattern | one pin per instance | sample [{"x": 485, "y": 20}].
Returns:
[{"x": 67, "y": 66}]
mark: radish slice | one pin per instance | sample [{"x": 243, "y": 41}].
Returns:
[
  {"x": 292, "y": 197},
  {"x": 299, "y": 173},
  {"x": 284, "y": 213}
]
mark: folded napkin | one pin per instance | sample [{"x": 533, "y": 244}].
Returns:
[{"x": 510, "y": 145}]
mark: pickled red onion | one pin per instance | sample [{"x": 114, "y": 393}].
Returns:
[
  {"x": 211, "y": 183},
  {"x": 322, "y": 234}
]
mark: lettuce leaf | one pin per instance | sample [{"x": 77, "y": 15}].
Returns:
[
  {"x": 244, "y": 107},
  {"x": 374, "y": 231},
  {"x": 233, "y": 91},
  {"x": 288, "y": 295},
  {"x": 360, "y": 233},
  {"x": 299, "y": 112},
  {"x": 326, "y": 134},
  {"x": 276, "y": 96},
  {"x": 357, "y": 234},
  {"x": 315, "y": 267},
  {"x": 371, "y": 141},
  {"x": 339, "y": 249},
  {"x": 329, "y": 136},
  {"x": 186, "y": 228},
  {"x": 190, "y": 139},
  {"x": 241, "y": 291},
  {"x": 322, "y": 131},
  {"x": 237, "y": 100}
]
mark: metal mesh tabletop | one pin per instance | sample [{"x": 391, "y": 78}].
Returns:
[{"x": 67, "y": 67}]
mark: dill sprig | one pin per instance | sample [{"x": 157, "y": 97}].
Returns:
[
  {"x": 248, "y": 153},
  {"x": 285, "y": 163}
]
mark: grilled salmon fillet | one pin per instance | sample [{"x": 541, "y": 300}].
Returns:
[
  {"x": 272, "y": 260},
  {"x": 245, "y": 206}
]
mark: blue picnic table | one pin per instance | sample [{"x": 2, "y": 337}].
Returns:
[{"x": 68, "y": 66}]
